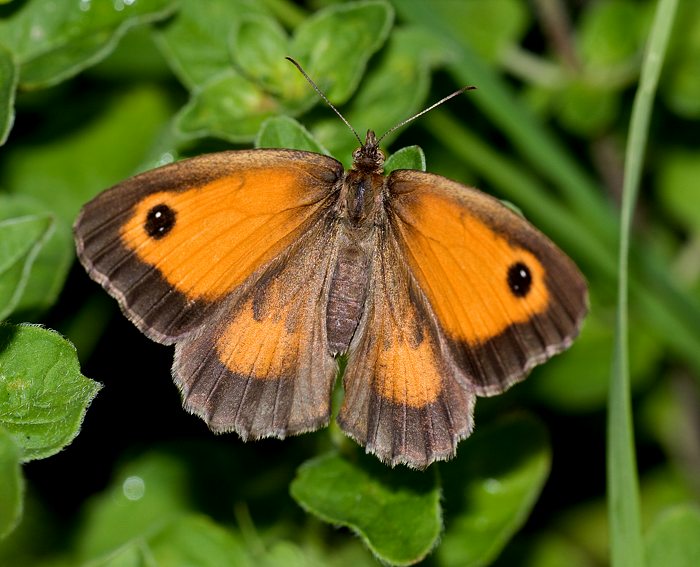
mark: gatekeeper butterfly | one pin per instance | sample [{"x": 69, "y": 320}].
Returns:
[{"x": 263, "y": 266}]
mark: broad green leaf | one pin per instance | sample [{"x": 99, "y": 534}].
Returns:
[
  {"x": 229, "y": 107},
  {"x": 411, "y": 157},
  {"x": 335, "y": 44},
  {"x": 490, "y": 489},
  {"x": 285, "y": 132},
  {"x": 11, "y": 484},
  {"x": 50, "y": 266},
  {"x": 585, "y": 110},
  {"x": 673, "y": 540},
  {"x": 8, "y": 84},
  {"x": 196, "y": 41},
  {"x": 21, "y": 238},
  {"x": 196, "y": 540},
  {"x": 43, "y": 395},
  {"x": 55, "y": 40},
  {"x": 145, "y": 496},
  {"x": 65, "y": 172},
  {"x": 396, "y": 512}
]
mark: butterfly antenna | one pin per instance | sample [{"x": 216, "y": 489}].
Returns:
[
  {"x": 422, "y": 112},
  {"x": 323, "y": 96}
]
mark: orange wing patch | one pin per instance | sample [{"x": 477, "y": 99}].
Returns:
[
  {"x": 222, "y": 231},
  {"x": 405, "y": 371},
  {"x": 462, "y": 265},
  {"x": 264, "y": 346}
]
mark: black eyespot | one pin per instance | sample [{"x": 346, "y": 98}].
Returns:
[
  {"x": 160, "y": 220},
  {"x": 519, "y": 279}
]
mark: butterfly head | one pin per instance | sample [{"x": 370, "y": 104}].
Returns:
[{"x": 368, "y": 158}]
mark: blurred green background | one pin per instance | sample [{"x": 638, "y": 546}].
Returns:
[{"x": 93, "y": 91}]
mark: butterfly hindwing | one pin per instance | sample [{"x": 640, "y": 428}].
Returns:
[{"x": 403, "y": 400}]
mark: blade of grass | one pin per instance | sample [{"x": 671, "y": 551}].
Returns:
[{"x": 626, "y": 545}]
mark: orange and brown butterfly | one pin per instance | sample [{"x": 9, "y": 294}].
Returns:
[{"x": 263, "y": 266}]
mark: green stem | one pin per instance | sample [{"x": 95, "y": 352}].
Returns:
[{"x": 627, "y": 548}]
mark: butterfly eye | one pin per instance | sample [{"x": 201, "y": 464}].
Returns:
[
  {"x": 160, "y": 220},
  {"x": 519, "y": 279}
]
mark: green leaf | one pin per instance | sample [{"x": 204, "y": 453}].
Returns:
[
  {"x": 196, "y": 41},
  {"x": 612, "y": 32},
  {"x": 144, "y": 496},
  {"x": 21, "y": 238},
  {"x": 230, "y": 107},
  {"x": 396, "y": 512},
  {"x": 673, "y": 540},
  {"x": 196, "y": 540},
  {"x": 56, "y": 40},
  {"x": 43, "y": 395},
  {"x": 411, "y": 157},
  {"x": 8, "y": 85},
  {"x": 335, "y": 44},
  {"x": 11, "y": 484},
  {"x": 490, "y": 489},
  {"x": 285, "y": 132},
  {"x": 259, "y": 47},
  {"x": 65, "y": 172},
  {"x": 50, "y": 266}
]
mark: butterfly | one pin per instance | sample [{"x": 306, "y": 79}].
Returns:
[{"x": 264, "y": 266}]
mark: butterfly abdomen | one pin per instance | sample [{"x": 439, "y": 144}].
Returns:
[{"x": 346, "y": 297}]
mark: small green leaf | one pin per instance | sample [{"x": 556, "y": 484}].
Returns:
[
  {"x": 50, "y": 267},
  {"x": 335, "y": 44},
  {"x": 411, "y": 157},
  {"x": 285, "y": 132},
  {"x": 21, "y": 238},
  {"x": 196, "y": 540},
  {"x": 396, "y": 512},
  {"x": 196, "y": 41},
  {"x": 672, "y": 541},
  {"x": 612, "y": 32},
  {"x": 145, "y": 495},
  {"x": 11, "y": 483},
  {"x": 490, "y": 488},
  {"x": 56, "y": 40},
  {"x": 43, "y": 395},
  {"x": 259, "y": 47},
  {"x": 8, "y": 85},
  {"x": 229, "y": 107}
]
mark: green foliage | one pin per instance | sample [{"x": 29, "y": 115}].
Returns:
[{"x": 92, "y": 92}]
